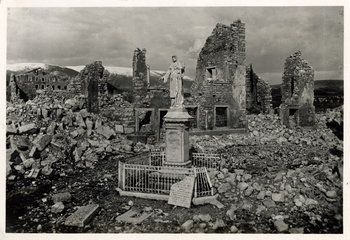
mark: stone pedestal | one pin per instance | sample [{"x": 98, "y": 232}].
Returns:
[{"x": 177, "y": 123}]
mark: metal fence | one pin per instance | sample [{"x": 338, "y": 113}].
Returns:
[
  {"x": 208, "y": 160},
  {"x": 159, "y": 179},
  {"x": 156, "y": 158},
  {"x": 202, "y": 185}
]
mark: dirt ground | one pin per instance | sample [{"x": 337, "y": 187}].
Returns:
[{"x": 28, "y": 203}]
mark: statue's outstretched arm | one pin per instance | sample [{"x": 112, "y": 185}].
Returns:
[{"x": 166, "y": 76}]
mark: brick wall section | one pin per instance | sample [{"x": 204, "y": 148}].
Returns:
[
  {"x": 224, "y": 50},
  {"x": 297, "y": 90}
]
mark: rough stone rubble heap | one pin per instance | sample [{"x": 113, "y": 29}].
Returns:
[{"x": 56, "y": 133}]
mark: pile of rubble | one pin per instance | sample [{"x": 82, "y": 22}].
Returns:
[
  {"x": 267, "y": 129},
  {"x": 52, "y": 135},
  {"x": 283, "y": 179}
]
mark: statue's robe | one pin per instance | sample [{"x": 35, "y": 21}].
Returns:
[{"x": 174, "y": 73}]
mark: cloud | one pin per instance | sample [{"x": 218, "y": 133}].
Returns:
[
  {"x": 194, "y": 50},
  {"x": 77, "y": 36}
]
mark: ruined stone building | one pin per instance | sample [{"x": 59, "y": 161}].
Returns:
[
  {"x": 297, "y": 91},
  {"x": 151, "y": 101},
  {"x": 258, "y": 93},
  {"x": 218, "y": 95},
  {"x": 24, "y": 85},
  {"x": 90, "y": 82}
]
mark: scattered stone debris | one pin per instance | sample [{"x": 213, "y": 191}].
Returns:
[{"x": 63, "y": 149}]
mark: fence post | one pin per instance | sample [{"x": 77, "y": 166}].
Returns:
[
  {"x": 196, "y": 182},
  {"x": 119, "y": 175},
  {"x": 150, "y": 158},
  {"x": 220, "y": 165},
  {"x": 123, "y": 176}
]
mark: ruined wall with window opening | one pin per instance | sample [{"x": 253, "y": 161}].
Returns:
[
  {"x": 221, "y": 79},
  {"x": 24, "y": 86},
  {"x": 297, "y": 91}
]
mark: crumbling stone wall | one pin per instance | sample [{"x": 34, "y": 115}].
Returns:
[
  {"x": 297, "y": 91},
  {"x": 21, "y": 89},
  {"x": 140, "y": 77},
  {"x": 90, "y": 77},
  {"x": 258, "y": 93},
  {"x": 221, "y": 77},
  {"x": 25, "y": 85},
  {"x": 102, "y": 86},
  {"x": 40, "y": 79},
  {"x": 264, "y": 99}
]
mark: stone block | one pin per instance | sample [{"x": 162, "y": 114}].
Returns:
[
  {"x": 11, "y": 130},
  {"x": 134, "y": 216},
  {"x": 82, "y": 216},
  {"x": 61, "y": 197},
  {"x": 129, "y": 130},
  {"x": 187, "y": 226},
  {"x": 57, "y": 207},
  {"x": 42, "y": 141},
  {"x": 28, "y": 128},
  {"x": 105, "y": 131},
  {"x": 119, "y": 128}
]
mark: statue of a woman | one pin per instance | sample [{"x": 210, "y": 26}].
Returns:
[{"x": 175, "y": 73}]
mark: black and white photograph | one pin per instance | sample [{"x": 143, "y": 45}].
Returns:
[{"x": 178, "y": 119}]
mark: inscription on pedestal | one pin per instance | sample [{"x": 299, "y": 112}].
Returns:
[
  {"x": 181, "y": 192},
  {"x": 174, "y": 146}
]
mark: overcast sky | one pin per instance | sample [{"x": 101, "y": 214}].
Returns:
[{"x": 77, "y": 36}]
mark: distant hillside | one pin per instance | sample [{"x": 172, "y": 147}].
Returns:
[
  {"x": 25, "y": 67},
  {"x": 323, "y": 88},
  {"x": 125, "y": 82},
  {"x": 120, "y": 77}
]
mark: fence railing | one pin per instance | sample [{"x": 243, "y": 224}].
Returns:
[
  {"x": 202, "y": 185},
  {"x": 207, "y": 160},
  {"x": 159, "y": 179},
  {"x": 156, "y": 158}
]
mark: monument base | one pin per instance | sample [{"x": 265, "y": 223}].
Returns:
[
  {"x": 177, "y": 137},
  {"x": 178, "y": 164}
]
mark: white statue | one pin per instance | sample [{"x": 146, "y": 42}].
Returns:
[{"x": 175, "y": 73}]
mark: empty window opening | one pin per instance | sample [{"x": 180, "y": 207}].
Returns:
[
  {"x": 162, "y": 113},
  {"x": 145, "y": 123},
  {"x": 211, "y": 73},
  {"x": 23, "y": 95},
  {"x": 43, "y": 79},
  {"x": 65, "y": 87},
  {"x": 59, "y": 87},
  {"x": 42, "y": 86},
  {"x": 221, "y": 117},
  {"x": 292, "y": 111},
  {"x": 36, "y": 86},
  {"x": 53, "y": 87},
  {"x": 193, "y": 111}
]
